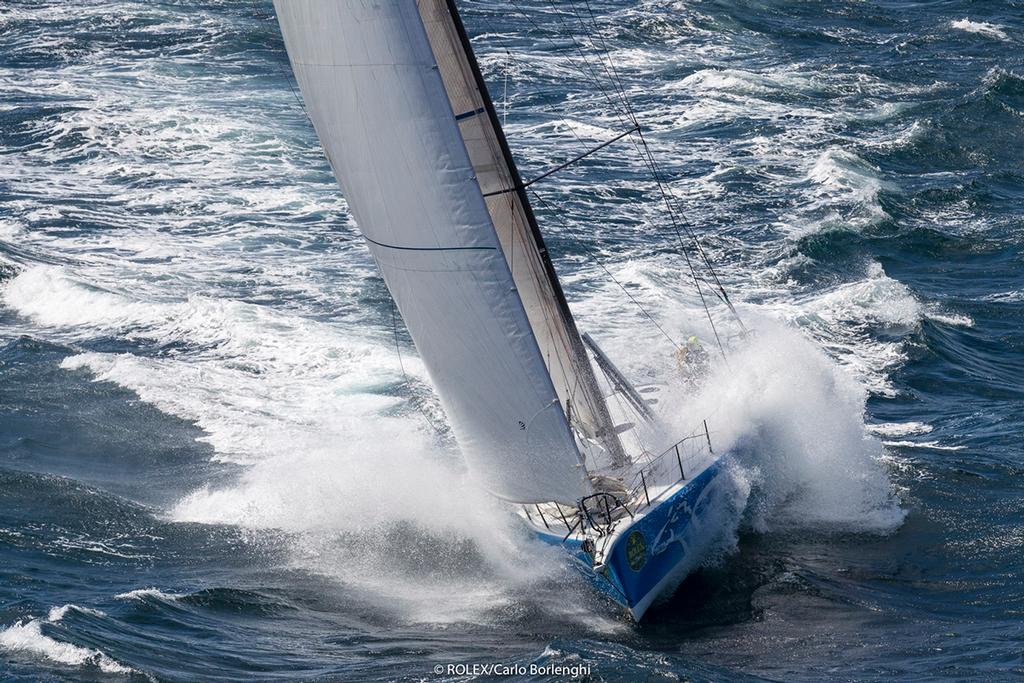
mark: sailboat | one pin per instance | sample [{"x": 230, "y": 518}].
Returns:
[{"x": 398, "y": 101}]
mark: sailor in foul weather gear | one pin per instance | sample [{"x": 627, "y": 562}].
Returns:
[{"x": 693, "y": 360}]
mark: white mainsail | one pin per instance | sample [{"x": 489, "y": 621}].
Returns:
[
  {"x": 521, "y": 241},
  {"x": 373, "y": 91}
]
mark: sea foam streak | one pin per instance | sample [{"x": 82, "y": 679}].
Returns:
[
  {"x": 982, "y": 28},
  {"x": 146, "y": 593}
]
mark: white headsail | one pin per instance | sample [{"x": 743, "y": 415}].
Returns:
[
  {"x": 372, "y": 88},
  {"x": 521, "y": 241}
]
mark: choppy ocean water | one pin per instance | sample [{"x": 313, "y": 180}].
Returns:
[{"x": 212, "y": 466}]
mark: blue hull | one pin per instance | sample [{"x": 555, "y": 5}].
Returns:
[{"x": 657, "y": 550}]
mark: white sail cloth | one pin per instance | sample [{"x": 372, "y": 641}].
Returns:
[
  {"x": 549, "y": 315},
  {"x": 373, "y": 91}
]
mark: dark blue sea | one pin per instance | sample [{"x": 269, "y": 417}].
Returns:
[{"x": 215, "y": 465}]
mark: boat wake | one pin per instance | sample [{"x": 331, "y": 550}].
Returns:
[
  {"x": 803, "y": 460},
  {"x": 315, "y": 453}
]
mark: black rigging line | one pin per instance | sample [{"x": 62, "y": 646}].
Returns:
[
  {"x": 646, "y": 157},
  {"x": 560, "y": 167},
  {"x": 588, "y": 74},
  {"x": 682, "y": 247},
  {"x": 623, "y": 118},
  {"x": 416, "y": 401},
  {"x": 549, "y": 109},
  {"x": 583, "y": 71},
  {"x": 582, "y": 240},
  {"x": 616, "y": 78},
  {"x": 675, "y": 213},
  {"x": 623, "y": 109}
]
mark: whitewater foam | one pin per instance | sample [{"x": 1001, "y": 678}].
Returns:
[
  {"x": 146, "y": 593},
  {"x": 982, "y": 28},
  {"x": 928, "y": 445},
  {"x": 305, "y": 407},
  {"x": 357, "y": 498},
  {"x": 793, "y": 415},
  {"x": 28, "y": 637},
  {"x": 862, "y": 323},
  {"x": 10, "y": 230},
  {"x": 900, "y": 428},
  {"x": 794, "y": 420},
  {"x": 737, "y": 80},
  {"x": 938, "y": 315},
  {"x": 879, "y": 301},
  {"x": 48, "y": 295},
  {"x": 844, "y": 193},
  {"x": 313, "y": 402}
]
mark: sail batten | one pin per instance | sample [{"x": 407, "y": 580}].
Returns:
[
  {"x": 522, "y": 243},
  {"x": 374, "y": 93}
]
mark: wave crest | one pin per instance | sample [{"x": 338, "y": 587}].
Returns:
[{"x": 28, "y": 637}]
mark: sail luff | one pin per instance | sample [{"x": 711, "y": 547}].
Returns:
[
  {"x": 374, "y": 94},
  {"x": 523, "y": 243}
]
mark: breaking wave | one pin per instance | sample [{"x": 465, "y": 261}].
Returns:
[{"x": 27, "y": 637}]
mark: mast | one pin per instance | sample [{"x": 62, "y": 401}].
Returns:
[
  {"x": 374, "y": 93},
  {"x": 516, "y": 224}
]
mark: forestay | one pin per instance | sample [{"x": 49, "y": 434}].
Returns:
[{"x": 373, "y": 91}]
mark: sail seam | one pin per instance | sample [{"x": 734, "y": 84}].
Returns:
[{"x": 405, "y": 248}]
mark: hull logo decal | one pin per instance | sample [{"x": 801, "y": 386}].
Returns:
[{"x": 636, "y": 551}]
